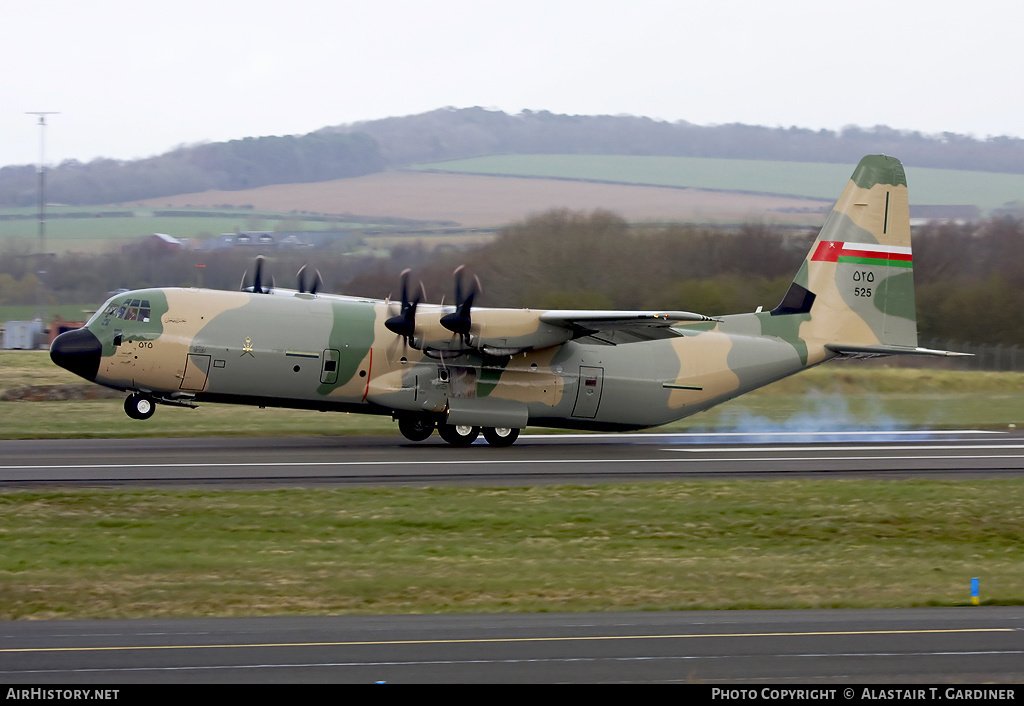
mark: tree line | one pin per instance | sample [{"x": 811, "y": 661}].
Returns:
[
  {"x": 969, "y": 277},
  {"x": 451, "y": 133},
  {"x": 238, "y": 164}
]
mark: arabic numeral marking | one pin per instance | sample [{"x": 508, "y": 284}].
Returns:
[
  {"x": 861, "y": 276},
  {"x": 145, "y": 344},
  {"x": 862, "y": 292}
]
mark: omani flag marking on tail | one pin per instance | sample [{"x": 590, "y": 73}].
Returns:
[{"x": 863, "y": 254}]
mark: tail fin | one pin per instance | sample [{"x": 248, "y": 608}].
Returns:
[{"x": 856, "y": 286}]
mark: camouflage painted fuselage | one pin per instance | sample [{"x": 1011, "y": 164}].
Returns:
[
  {"x": 315, "y": 352},
  {"x": 853, "y": 296}
]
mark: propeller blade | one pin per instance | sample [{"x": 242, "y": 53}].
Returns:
[
  {"x": 315, "y": 281},
  {"x": 404, "y": 322},
  {"x": 457, "y": 275},
  {"x": 460, "y": 321},
  {"x": 405, "y": 289},
  {"x": 257, "y": 280}
]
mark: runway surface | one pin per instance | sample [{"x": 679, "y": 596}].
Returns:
[
  {"x": 750, "y": 648},
  {"x": 574, "y": 458}
]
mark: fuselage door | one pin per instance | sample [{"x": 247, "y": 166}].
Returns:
[
  {"x": 197, "y": 367},
  {"x": 588, "y": 393},
  {"x": 329, "y": 371}
]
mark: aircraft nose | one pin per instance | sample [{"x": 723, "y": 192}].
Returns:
[{"x": 78, "y": 351}]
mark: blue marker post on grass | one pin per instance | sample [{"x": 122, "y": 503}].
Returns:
[{"x": 974, "y": 591}]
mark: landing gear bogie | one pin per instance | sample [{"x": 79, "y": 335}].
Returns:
[
  {"x": 458, "y": 434},
  {"x": 501, "y": 436},
  {"x": 464, "y": 435}
]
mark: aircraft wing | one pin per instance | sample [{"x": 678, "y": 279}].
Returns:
[{"x": 613, "y": 326}]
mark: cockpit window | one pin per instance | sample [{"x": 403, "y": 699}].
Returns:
[{"x": 129, "y": 310}]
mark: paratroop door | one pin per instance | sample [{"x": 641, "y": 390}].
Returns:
[
  {"x": 197, "y": 368},
  {"x": 588, "y": 393}
]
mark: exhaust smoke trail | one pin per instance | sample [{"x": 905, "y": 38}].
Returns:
[{"x": 820, "y": 417}]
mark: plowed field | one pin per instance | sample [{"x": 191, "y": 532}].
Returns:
[{"x": 485, "y": 201}]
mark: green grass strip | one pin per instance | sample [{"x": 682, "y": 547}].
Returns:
[{"x": 640, "y": 546}]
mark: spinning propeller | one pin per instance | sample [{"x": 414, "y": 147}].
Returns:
[
  {"x": 257, "y": 280},
  {"x": 315, "y": 281},
  {"x": 404, "y": 323},
  {"x": 459, "y": 321}
]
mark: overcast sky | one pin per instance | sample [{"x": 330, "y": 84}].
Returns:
[{"x": 133, "y": 79}]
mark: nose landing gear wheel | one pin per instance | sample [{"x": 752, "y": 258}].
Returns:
[
  {"x": 139, "y": 406},
  {"x": 501, "y": 436},
  {"x": 458, "y": 434},
  {"x": 416, "y": 428}
]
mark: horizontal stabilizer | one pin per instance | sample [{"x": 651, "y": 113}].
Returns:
[{"x": 854, "y": 351}]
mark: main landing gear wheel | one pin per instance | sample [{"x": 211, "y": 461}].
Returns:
[
  {"x": 415, "y": 427},
  {"x": 501, "y": 436},
  {"x": 139, "y": 406},
  {"x": 458, "y": 434}
]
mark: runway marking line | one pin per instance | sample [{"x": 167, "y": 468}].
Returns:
[
  {"x": 847, "y": 447},
  {"x": 500, "y": 462},
  {"x": 528, "y": 660},
  {"x": 498, "y": 640},
  {"x": 768, "y": 432}
]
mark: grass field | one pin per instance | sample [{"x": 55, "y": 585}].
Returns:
[
  {"x": 641, "y": 546},
  {"x": 804, "y": 179},
  {"x": 488, "y": 202}
]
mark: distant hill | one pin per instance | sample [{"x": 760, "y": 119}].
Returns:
[
  {"x": 451, "y": 133},
  {"x": 234, "y": 165},
  {"x": 446, "y": 134}
]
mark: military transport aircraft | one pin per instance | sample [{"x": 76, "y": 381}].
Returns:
[{"x": 461, "y": 369}]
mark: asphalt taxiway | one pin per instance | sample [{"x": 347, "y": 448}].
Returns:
[{"x": 750, "y": 648}]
